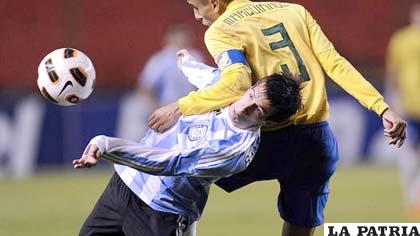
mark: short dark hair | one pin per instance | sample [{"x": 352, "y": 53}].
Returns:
[{"x": 283, "y": 92}]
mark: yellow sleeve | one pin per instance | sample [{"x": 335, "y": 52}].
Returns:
[
  {"x": 345, "y": 75},
  {"x": 319, "y": 42},
  {"x": 232, "y": 85},
  {"x": 341, "y": 71},
  {"x": 234, "y": 79},
  {"x": 219, "y": 40}
]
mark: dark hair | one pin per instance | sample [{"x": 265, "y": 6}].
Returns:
[{"x": 283, "y": 92}]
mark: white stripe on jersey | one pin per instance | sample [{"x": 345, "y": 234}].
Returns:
[
  {"x": 221, "y": 134},
  {"x": 157, "y": 138},
  {"x": 150, "y": 188},
  {"x": 244, "y": 144},
  {"x": 127, "y": 174},
  {"x": 229, "y": 154}
]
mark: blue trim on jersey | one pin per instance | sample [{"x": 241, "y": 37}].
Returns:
[{"x": 230, "y": 57}]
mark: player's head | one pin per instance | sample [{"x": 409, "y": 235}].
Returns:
[
  {"x": 415, "y": 13},
  {"x": 274, "y": 98},
  {"x": 178, "y": 35},
  {"x": 207, "y": 11}
]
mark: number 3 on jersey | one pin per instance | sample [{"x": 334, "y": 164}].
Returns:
[{"x": 286, "y": 42}]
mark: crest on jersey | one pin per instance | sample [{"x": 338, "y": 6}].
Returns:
[
  {"x": 197, "y": 132},
  {"x": 224, "y": 60}
]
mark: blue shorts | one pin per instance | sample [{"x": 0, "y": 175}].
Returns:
[
  {"x": 413, "y": 131},
  {"x": 302, "y": 158}
]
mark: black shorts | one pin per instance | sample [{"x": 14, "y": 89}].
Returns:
[{"x": 120, "y": 212}]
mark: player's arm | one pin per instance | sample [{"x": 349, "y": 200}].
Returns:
[
  {"x": 235, "y": 79},
  {"x": 345, "y": 75},
  {"x": 217, "y": 159},
  {"x": 199, "y": 74},
  {"x": 340, "y": 70}
]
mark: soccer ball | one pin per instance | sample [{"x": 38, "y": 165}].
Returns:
[{"x": 66, "y": 76}]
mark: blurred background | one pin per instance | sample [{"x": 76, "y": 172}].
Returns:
[{"x": 132, "y": 44}]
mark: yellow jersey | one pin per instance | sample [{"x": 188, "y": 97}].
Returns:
[
  {"x": 277, "y": 37},
  {"x": 404, "y": 60}
]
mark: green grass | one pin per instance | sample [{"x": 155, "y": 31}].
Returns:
[{"x": 57, "y": 203}]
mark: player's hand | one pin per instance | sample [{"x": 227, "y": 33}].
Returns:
[
  {"x": 165, "y": 117},
  {"x": 89, "y": 158},
  {"x": 395, "y": 128},
  {"x": 183, "y": 55}
]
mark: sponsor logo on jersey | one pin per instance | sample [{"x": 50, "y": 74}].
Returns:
[{"x": 224, "y": 61}]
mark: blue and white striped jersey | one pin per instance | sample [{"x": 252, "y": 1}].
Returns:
[{"x": 172, "y": 171}]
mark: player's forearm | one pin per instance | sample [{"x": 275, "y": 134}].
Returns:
[
  {"x": 232, "y": 85},
  {"x": 345, "y": 75},
  {"x": 180, "y": 163},
  {"x": 165, "y": 162},
  {"x": 218, "y": 158},
  {"x": 199, "y": 74},
  {"x": 151, "y": 160}
]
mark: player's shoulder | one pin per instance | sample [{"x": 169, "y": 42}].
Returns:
[
  {"x": 401, "y": 35},
  {"x": 281, "y": 6},
  {"x": 289, "y": 5},
  {"x": 297, "y": 8},
  {"x": 227, "y": 22},
  {"x": 406, "y": 31},
  {"x": 216, "y": 28},
  {"x": 219, "y": 33}
]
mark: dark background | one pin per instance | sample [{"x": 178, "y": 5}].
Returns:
[{"x": 119, "y": 35}]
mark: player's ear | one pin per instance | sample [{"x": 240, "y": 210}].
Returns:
[{"x": 216, "y": 4}]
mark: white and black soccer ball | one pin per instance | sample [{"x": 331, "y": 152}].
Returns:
[{"x": 66, "y": 76}]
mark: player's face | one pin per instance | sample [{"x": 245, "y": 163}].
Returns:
[
  {"x": 252, "y": 108},
  {"x": 204, "y": 11}
]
